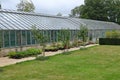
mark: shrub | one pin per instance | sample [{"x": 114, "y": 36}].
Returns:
[
  {"x": 113, "y": 34},
  {"x": 11, "y": 54},
  {"x": 60, "y": 46},
  {"x": 33, "y": 51},
  {"x": 22, "y": 54},
  {"x": 51, "y": 48}
]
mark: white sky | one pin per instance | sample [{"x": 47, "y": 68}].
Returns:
[{"x": 46, "y": 6}]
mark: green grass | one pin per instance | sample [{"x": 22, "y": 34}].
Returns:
[{"x": 96, "y": 63}]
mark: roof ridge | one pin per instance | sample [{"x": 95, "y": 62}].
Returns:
[{"x": 31, "y": 13}]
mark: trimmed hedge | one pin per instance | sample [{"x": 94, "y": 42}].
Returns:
[{"x": 109, "y": 41}]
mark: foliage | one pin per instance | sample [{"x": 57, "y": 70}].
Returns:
[
  {"x": 104, "y": 10},
  {"x": 26, "y": 53},
  {"x": 83, "y": 33},
  {"x": 60, "y": 46},
  {"x": 96, "y": 63},
  {"x": 75, "y": 12},
  {"x": 113, "y": 34},
  {"x": 26, "y": 6},
  {"x": 51, "y": 48},
  {"x": 109, "y": 41},
  {"x": 59, "y": 14},
  {"x": 40, "y": 37},
  {"x": 64, "y": 37},
  {"x": 54, "y": 47}
]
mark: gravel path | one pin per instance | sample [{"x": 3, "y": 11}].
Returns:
[{"x": 5, "y": 61}]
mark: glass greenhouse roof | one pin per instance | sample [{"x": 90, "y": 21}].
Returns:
[
  {"x": 94, "y": 24},
  {"x": 13, "y": 20}
]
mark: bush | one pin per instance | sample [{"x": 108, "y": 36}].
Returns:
[
  {"x": 50, "y": 48},
  {"x": 12, "y": 54},
  {"x": 33, "y": 51},
  {"x": 109, "y": 41},
  {"x": 60, "y": 46},
  {"x": 27, "y": 53},
  {"x": 113, "y": 34}
]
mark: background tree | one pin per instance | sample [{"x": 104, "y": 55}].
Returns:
[
  {"x": 76, "y": 11},
  {"x": 0, "y": 5},
  {"x": 104, "y": 10},
  {"x": 59, "y": 14},
  {"x": 26, "y": 6},
  {"x": 40, "y": 37}
]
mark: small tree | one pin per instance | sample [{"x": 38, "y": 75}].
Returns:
[
  {"x": 83, "y": 33},
  {"x": 64, "y": 37},
  {"x": 40, "y": 38}
]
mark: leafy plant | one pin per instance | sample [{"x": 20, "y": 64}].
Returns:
[
  {"x": 11, "y": 54},
  {"x": 40, "y": 38},
  {"x": 64, "y": 37},
  {"x": 26, "y": 53},
  {"x": 113, "y": 34},
  {"x": 83, "y": 33}
]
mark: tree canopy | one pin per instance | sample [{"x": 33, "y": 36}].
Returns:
[
  {"x": 25, "y": 6},
  {"x": 104, "y": 10}
]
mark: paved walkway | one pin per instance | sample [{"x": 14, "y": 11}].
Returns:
[{"x": 5, "y": 61}]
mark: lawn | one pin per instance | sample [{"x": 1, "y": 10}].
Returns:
[{"x": 96, "y": 63}]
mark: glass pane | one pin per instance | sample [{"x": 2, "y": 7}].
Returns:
[
  {"x": 6, "y": 38},
  {"x": 28, "y": 38},
  {"x": 33, "y": 39},
  {"x": 12, "y": 38},
  {"x": 24, "y": 38}
]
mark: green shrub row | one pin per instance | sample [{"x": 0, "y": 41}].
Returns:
[
  {"x": 113, "y": 34},
  {"x": 26, "y": 53},
  {"x": 109, "y": 41}
]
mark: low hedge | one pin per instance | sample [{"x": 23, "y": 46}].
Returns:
[
  {"x": 109, "y": 41},
  {"x": 26, "y": 53},
  {"x": 50, "y": 48}
]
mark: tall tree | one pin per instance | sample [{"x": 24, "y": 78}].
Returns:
[
  {"x": 105, "y": 10},
  {"x": 76, "y": 11},
  {"x": 26, "y": 5}
]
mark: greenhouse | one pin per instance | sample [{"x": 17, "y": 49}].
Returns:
[{"x": 15, "y": 27}]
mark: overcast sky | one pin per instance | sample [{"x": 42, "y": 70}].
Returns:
[{"x": 46, "y": 6}]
